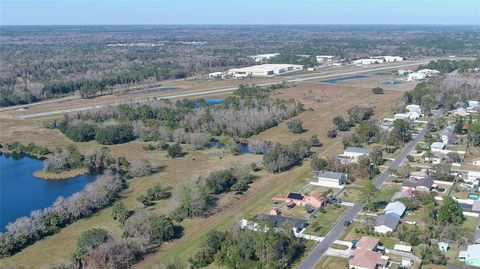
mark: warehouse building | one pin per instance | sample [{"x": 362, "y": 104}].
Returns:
[{"x": 264, "y": 70}]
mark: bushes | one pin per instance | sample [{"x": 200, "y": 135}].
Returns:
[
  {"x": 90, "y": 239},
  {"x": 81, "y": 132},
  {"x": 377, "y": 90},
  {"x": 149, "y": 228},
  {"x": 155, "y": 193},
  {"x": 114, "y": 134},
  {"x": 18, "y": 148},
  {"x": 175, "y": 151},
  {"x": 279, "y": 157},
  {"x": 295, "y": 126},
  {"x": 64, "y": 160}
]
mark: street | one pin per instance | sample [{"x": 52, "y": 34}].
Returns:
[{"x": 321, "y": 248}]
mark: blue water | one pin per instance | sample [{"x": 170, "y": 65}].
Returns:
[
  {"x": 242, "y": 148},
  {"x": 152, "y": 90},
  {"x": 21, "y": 192},
  {"x": 392, "y": 82},
  {"x": 209, "y": 101},
  {"x": 335, "y": 80}
]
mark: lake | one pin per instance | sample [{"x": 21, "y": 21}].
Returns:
[{"x": 21, "y": 192}]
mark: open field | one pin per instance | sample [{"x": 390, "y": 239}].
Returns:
[{"x": 334, "y": 100}]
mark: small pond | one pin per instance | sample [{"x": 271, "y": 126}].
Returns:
[{"x": 336, "y": 80}]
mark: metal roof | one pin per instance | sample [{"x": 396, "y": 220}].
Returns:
[
  {"x": 390, "y": 220},
  {"x": 357, "y": 150},
  {"x": 396, "y": 208},
  {"x": 332, "y": 175},
  {"x": 280, "y": 220}
]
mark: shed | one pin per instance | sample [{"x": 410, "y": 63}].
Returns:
[
  {"x": 442, "y": 246},
  {"x": 403, "y": 248}
]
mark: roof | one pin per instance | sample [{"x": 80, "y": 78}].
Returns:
[
  {"x": 280, "y": 220},
  {"x": 368, "y": 242},
  {"x": 476, "y": 206},
  {"x": 332, "y": 175},
  {"x": 396, "y": 208},
  {"x": 402, "y": 248},
  {"x": 477, "y": 235},
  {"x": 424, "y": 182},
  {"x": 390, "y": 220},
  {"x": 437, "y": 145},
  {"x": 357, "y": 150},
  {"x": 365, "y": 258},
  {"x": 295, "y": 196},
  {"x": 472, "y": 252},
  {"x": 402, "y": 195}
]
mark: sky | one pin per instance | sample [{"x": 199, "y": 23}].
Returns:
[{"x": 88, "y": 12}]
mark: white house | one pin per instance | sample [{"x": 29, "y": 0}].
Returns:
[
  {"x": 414, "y": 108},
  {"x": 263, "y": 57},
  {"x": 461, "y": 111},
  {"x": 403, "y": 248},
  {"x": 428, "y": 72},
  {"x": 403, "y": 72},
  {"x": 354, "y": 153},
  {"x": 330, "y": 179},
  {"x": 473, "y": 104},
  {"x": 391, "y": 59},
  {"x": 446, "y": 134},
  {"x": 472, "y": 176},
  {"x": 216, "y": 75},
  {"x": 407, "y": 116},
  {"x": 437, "y": 147},
  {"x": 396, "y": 208}
]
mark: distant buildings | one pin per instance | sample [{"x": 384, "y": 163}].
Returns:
[
  {"x": 378, "y": 60},
  {"x": 324, "y": 58},
  {"x": 416, "y": 76},
  {"x": 263, "y": 70},
  {"x": 263, "y": 57}
]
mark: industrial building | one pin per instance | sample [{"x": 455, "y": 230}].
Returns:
[
  {"x": 378, "y": 60},
  {"x": 264, "y": 70},
  {"x": 263, "y": 57},
  {"x": 324, "y": 58}
]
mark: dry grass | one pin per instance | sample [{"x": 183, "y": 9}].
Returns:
[{"x": 177, "y": 172}]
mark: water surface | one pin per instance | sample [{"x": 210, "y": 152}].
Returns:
[{"x": 21, "y": 192}]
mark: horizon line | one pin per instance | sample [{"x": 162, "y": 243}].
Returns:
[{"x": 251, "y": 24}]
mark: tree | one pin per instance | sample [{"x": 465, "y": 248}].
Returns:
[
  {"x": 376, "y": 156},
  {"x": 474, "y": 135},
  {"x": 315, "y": 141},
  {"x": 368, "y": 196},
  {"x": 332, "y": 133},
  {"x": 114, "y": 134},
  {"x": 110, "y": 254},
  {"x": 90, "y": 239},
  {"x": 318, "y": 164},
  {"x": 341, "y": 124},
  {"x": 401, "y": 131},
  {"x": 450, "y": 211},
  {"x": 149, "y": 228},
  {"x": 377, "y": 90},
  {"x": 175, "y": 151},
  {"x": 81, "y": 132},
  {"x": 295, "y": 126},
  {"x": 120, "y": 212}
]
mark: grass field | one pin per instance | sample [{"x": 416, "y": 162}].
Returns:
[{"x": 335, "y": 100}]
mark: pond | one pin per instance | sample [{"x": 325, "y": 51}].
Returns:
[
  {"x": 209, "y": 101},
  {"x": 335, "y": 80},
  {"x": 21, "y": 192}
]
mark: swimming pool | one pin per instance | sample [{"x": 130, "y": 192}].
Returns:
[
  {"x": 335, "y": 80},
  {"x": 473, "y": 197}
]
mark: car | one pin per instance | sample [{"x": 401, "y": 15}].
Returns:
[{"x": 346, "y": 223}]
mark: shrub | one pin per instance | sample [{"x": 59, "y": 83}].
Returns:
[
  {"x": 377, "y": 90},
  {"x": 114, "y": 134},
  {"x": 175, "y": 151},
  {"x": 81, "y": 132},
  {"x": 295, "y": 126}
]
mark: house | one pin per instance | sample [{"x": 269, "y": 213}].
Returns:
[
  {"x": 367, "y": 259},
  {"x": 428, "y": 72},
  {"x": 354, "y": 153},
  {"x": 396, "y": 208},
  {"x": 437, "y": 146},
  {"x": 477, "y": 236},
  {"x": 419, "y": 174},
  {"x": 217, "y": 75},
  {"x": 294, "y": 198},
  {"x": 386, "y": 223},
  {"x": 471, "y": 256},
  {"x": 437, "y": 157},
  {"x": 446, "y": 134},
  {"x": 461, "y": 112},
  {"x": 315, "y": 199},
  {"x": 392, "y": 59},
  {"x": 368, "y": 242},
  {"x": 476, "y": 206},
  {"x": 423, "y": 184},
  {"x": 414, "y": 108},
  {"x": 406, "y": 262},
  {"x": 329, "y": 179},
  {"x": 324, "y": 58},
  {"x": 473, "y": 104},
  {"x": 279, "y": 221},
  {"x": 443, "y": 247},
  {"x": 472, "y": 176},
  {"x": 402, "y": 248}
]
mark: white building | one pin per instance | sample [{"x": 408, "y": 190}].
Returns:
[
  {"x": 446, "y": 134},
  {"x": 352, "y": 154},
  {"x": 368, "y": 61},
  {"x": 472, "y": 176},
  {"x": 324, "y": 58},
  {"x": 407, "y": 116},
  {"x": 330, "y": 179},
  {"x": 428, "y": 72},
  {"x": 217, "y": 75},
  {"x": 403, "y": 72},
  {"x": 403, "y": 248},
  {"x": 264, "y": 70},
  {"x": 263, "y": 57},
  {"x": 414, "y": 108},
  {"x": 437, "y": 147},
  {"x": 391, "y": 59},
  {"x": 416, "y": 76}
]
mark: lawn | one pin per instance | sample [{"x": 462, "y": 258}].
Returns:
[
  {"x": 321, "y": 223},
  {"x": 328, "y": 262}
]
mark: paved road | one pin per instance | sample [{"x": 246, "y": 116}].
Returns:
[
  {"x": 322, "y": 247},
  {"x": 222, "y": 90}
]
